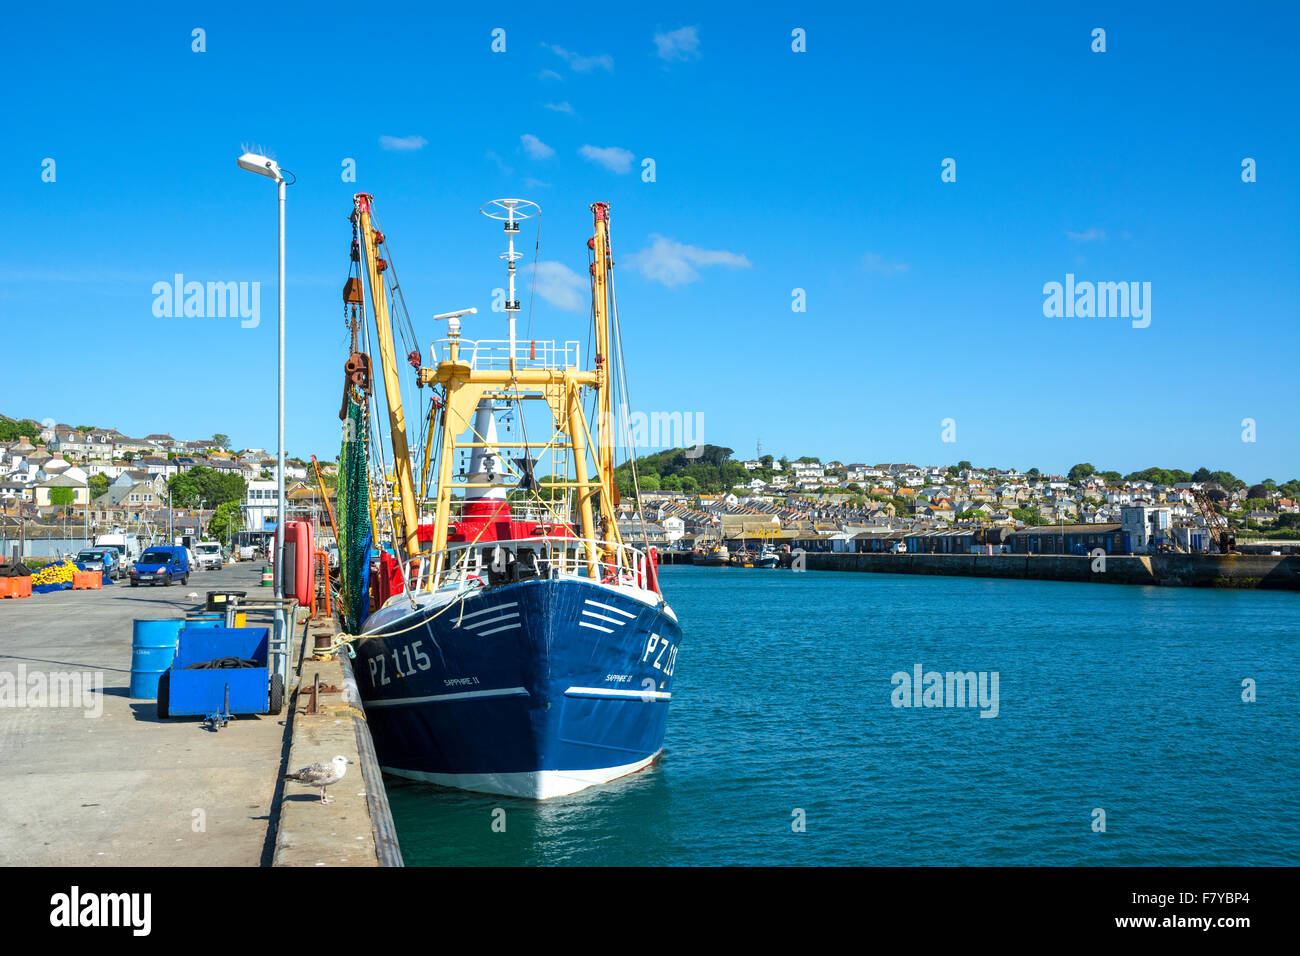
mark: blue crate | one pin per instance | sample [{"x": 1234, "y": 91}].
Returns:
[{"x": 203, "y": 692}]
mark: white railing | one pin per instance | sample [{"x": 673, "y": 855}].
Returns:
[
  {"x": 533, "y": 512},
  {"x": 494, "y": 354},
  {"x": 471, "y": 564}
]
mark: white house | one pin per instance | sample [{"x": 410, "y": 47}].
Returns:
[{"x": 259, "y": 506}]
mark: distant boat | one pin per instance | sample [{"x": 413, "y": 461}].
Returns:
[
  {"x": 768, "y": 558},
  {"x": 715, "y": 557}
]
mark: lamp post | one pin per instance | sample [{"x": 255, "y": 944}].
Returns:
[{"x": 264, "y": 166}]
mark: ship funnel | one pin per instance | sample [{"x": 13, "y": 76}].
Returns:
[{"x": 485, "y": 465}]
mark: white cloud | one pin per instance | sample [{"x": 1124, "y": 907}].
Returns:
[
  {"x": 1088, "y": 235},
  {"x": 673, "y": 263},
  {"x": 549, "y": 75},
  {"x": 562, "y": 287},
  {"x": 614, "y": 158},
  {"x": 535, "y": 148},
  {"x": 536, "y": 183},
  {"x": 581, "y": 64},
  {"x": 501, "y": 163},
  {"x": 871, "y": 262},
  {"x": 403, "y": 144},
  {"x": 680, "y": 44},
  {"x": 559, "y": 107}
]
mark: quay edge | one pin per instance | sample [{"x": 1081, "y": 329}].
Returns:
[
  {"x": 1244, "y": 571},
  {"x": 357, "y": 829}
]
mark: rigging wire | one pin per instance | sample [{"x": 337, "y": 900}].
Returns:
[{"x": 623, "y": 390}]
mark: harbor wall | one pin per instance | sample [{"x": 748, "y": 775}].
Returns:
[{"x": 1180, "y": 570}]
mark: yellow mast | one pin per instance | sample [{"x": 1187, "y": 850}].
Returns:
[
  {"x": 405, "y": 489},
  {"x": 604, "y": 451}
]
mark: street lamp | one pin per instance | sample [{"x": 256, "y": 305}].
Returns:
[{"x": 264, "y": 166}]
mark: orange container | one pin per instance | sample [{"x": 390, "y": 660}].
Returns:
[
  {"x": 9, "y": 587},
  {"x": 24, "y": 586}
]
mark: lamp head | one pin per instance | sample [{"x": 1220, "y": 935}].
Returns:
[{"x": 262, "y": 165}]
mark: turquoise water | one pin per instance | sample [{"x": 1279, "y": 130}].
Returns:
[{"x": 1126, "y": 699}]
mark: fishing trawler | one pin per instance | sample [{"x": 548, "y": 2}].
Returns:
[{"x": 519, "y": 645}]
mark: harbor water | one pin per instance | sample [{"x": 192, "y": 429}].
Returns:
[{"x": 785, "y": 744}]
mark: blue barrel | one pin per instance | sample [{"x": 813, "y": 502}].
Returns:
[
  {"x": 153, "y": 647},
  {"x": 204, "y": 620}
]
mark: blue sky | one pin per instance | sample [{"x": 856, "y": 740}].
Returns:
[{"x": 775, "y": 170}]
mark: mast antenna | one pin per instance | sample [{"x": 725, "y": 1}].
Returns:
[{"x": 510, "y": 212}]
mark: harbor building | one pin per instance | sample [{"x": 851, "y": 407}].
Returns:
[
  {"x": 1147, "y": 527},
  {"x": 1068, "y": 539}
]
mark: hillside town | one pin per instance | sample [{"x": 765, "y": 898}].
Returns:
[
  {"x": 57, "y": 480},
  {"x": 834, "y": 506},
  {"x": 61, "y": 483}
]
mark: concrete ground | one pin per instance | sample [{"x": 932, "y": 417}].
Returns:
[{"x": 122, "y": 787}]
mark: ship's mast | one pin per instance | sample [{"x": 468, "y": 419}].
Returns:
[
  {"x": 604, "y": 451},
  {"x": 371, "y": 239}
]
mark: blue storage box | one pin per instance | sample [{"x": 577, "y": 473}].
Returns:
[{"x": 203, "y": 692}]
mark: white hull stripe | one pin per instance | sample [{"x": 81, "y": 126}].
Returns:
[
  {"x": 488, "y": 622},
  {"x": 487, "y": 610},
  {"x": 459, "y": 695},
  {"x": 533, "y": 784},
  {"x": 607, "y": 607},
  {"x": 611, "y": 692},
  {"x": 505, "y": 627},
  {"x": 596, "y": 627},
  {"x": 603, "y": 617}
]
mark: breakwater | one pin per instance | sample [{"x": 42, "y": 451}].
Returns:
[{"x": 1178, "y": 570}]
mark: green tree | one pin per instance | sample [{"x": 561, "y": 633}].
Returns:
[
  {"x": 226, "y": 521},
  {"x": 1081, "y": 471},
  {"x": 221, "y": 441},
  {"x": 62, "y": 496},
  {"x": 11, "y": 430},
  {"x": 1028, "y": 516},
  {"x": 212, "y": 487},
  {"x": 98, "y": 485}
]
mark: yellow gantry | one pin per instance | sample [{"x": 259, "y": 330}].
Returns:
[{"x": 464, "y": 386}]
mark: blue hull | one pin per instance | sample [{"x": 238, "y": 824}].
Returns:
[{"x": 532, "y": 689}]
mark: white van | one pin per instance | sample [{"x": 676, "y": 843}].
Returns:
[
  {"x": 126, "y": 545},
  {"x": 208, "y": 555}
]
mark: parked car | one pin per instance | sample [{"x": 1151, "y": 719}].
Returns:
[
  {"x": 208, "y": 556},
  {"x": 248, "y": 552},
  {"x": 97, "y": 559},
  {"x": 162, "y": 564}
]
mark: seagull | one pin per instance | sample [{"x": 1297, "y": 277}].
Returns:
[{"x": 322, "y": 775}]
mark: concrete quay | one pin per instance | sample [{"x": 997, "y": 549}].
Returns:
[{"x": 97, "y": 779}]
